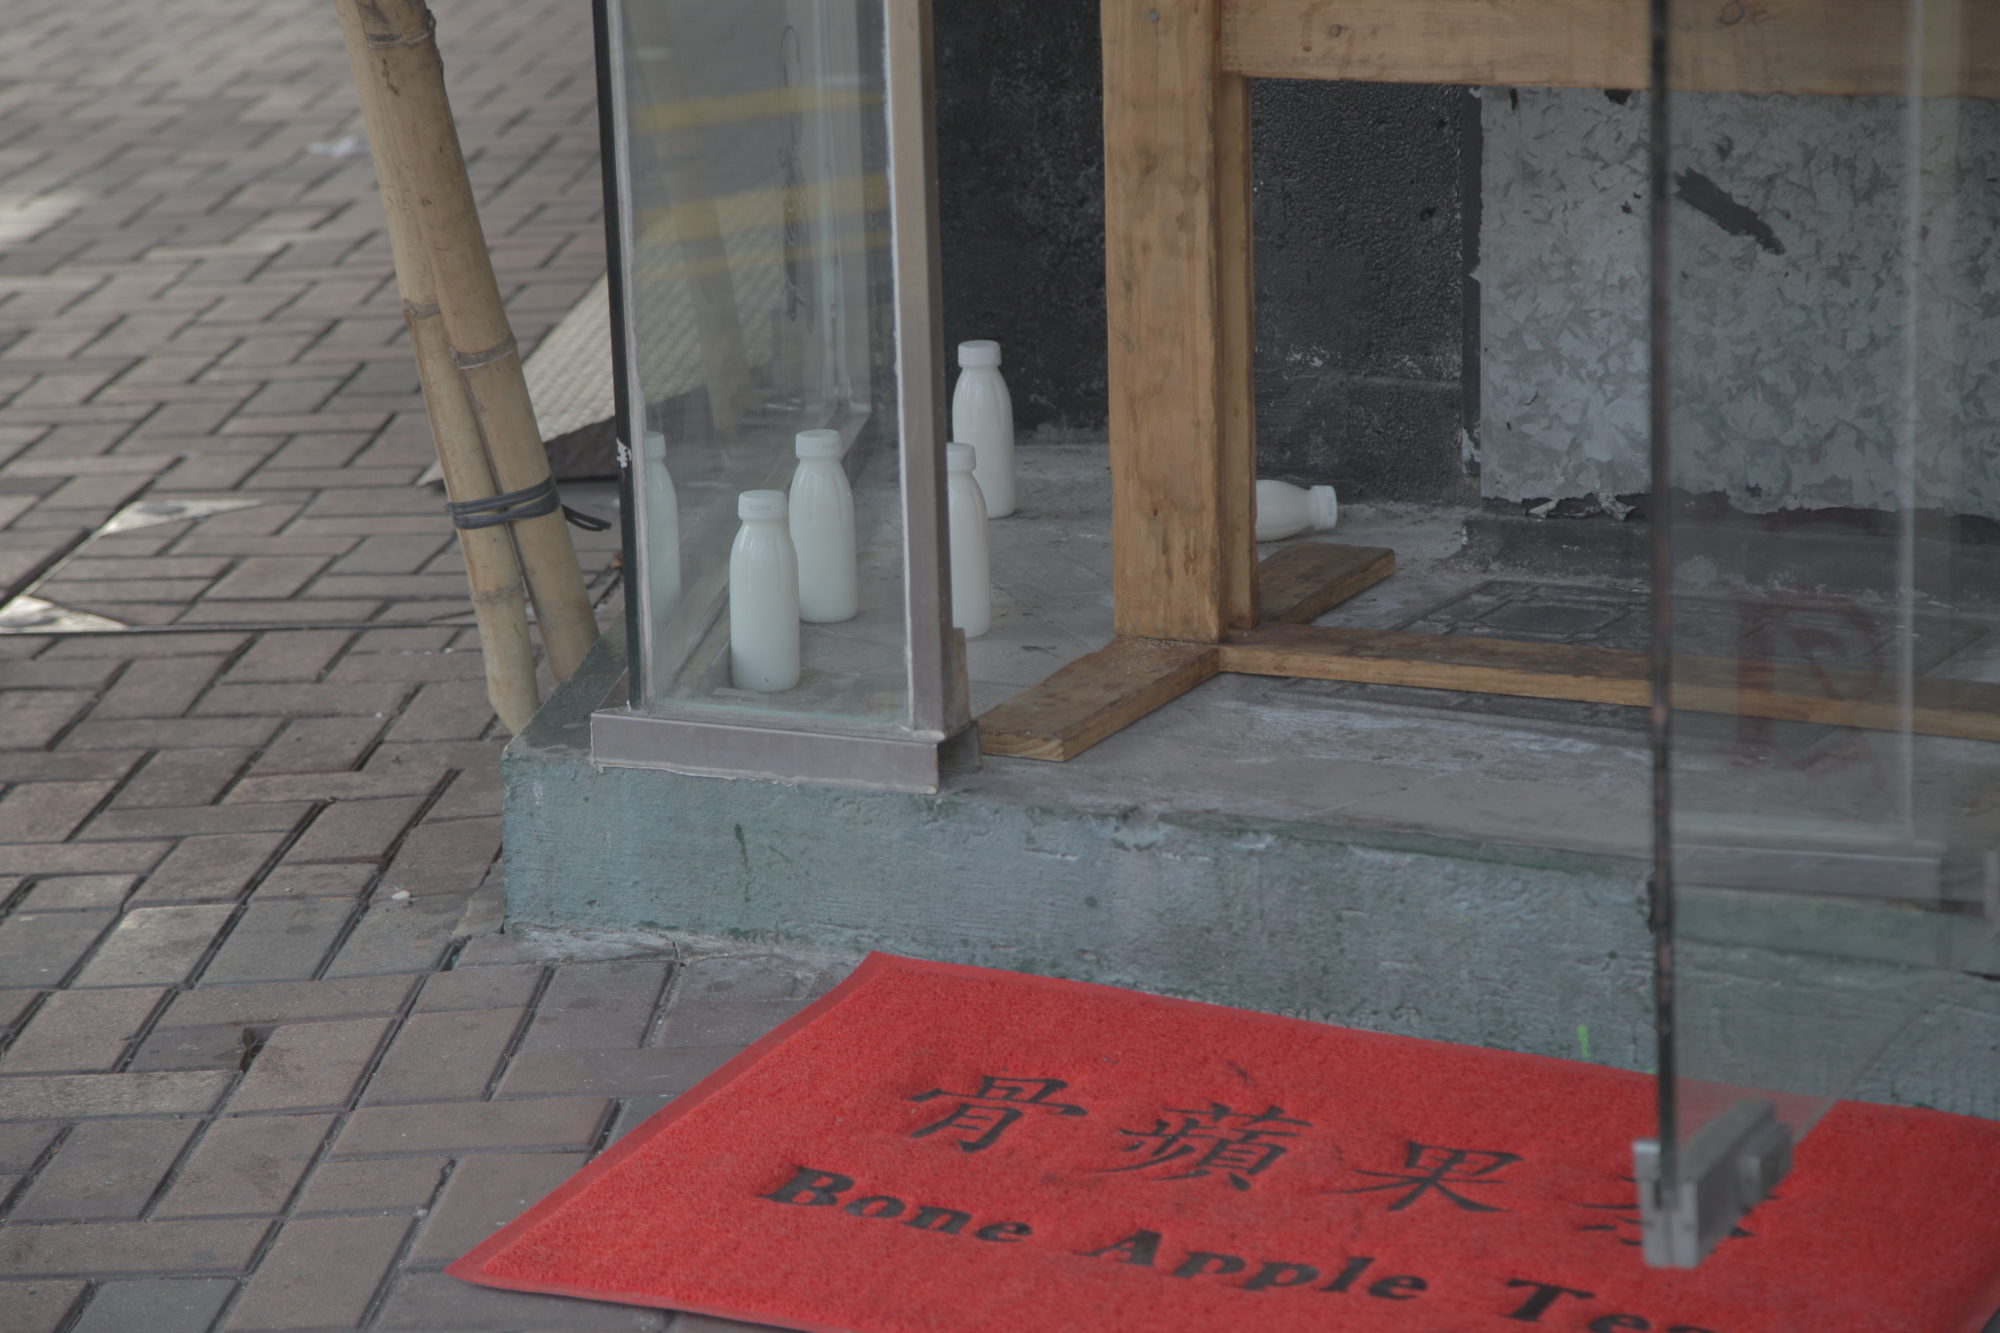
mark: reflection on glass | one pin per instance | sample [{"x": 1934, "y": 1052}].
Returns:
[
  {"x": 1834, "y": 438},
  {"x": 760, "y": 307}
]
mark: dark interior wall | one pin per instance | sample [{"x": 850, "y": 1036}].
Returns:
[{"x": 1361, "y": 214}]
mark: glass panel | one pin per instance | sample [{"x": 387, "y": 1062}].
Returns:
[
  {"x": 1833, "y": 452},
  {"x": 760, "y": 303}
]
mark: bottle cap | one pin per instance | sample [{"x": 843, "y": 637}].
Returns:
[
  {"x": 960, "y": 458},
  {"x": 818, "y": 444},
  {"x": 982, "y": 352},
  {"x": 1325, "y": 507},
  {"x": 761, "y": 504},
  {"x": 654, "y": 443}
]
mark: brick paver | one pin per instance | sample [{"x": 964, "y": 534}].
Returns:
[{"x": 266, "y": 1062}]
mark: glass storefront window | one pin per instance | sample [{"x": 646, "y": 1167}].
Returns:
[{"x": 774, "y": 285}]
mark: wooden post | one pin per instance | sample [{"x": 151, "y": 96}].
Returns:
[
  {"x": 1177, "y": 269},
  {"x": 409, "y": 78},
  {"x": 499, "y": 595}
]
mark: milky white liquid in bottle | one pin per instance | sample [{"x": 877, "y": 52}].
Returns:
[
  {"x": 822, "y": 522},
  {"x": 982, "y": 415},
  {"x": 763, "y": 596},
  {"x": 663, "y": 528},
  {"x": 971, "y": 566},
  {"x": 1285, "y": 510}
]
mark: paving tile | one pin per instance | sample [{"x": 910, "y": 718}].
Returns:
[
  {"x": 319, "y": 1273},
  {"x": 444, "y": 1056},
  {"x": 310, "y": 1066},
  {"x": 445, "y": 857},
  {"x": 614, "y": 1073},
  {"x": 289, "y": 881},
  {"x": 245, "y": 1165},
  {"x": 155, "y": 946},
  {"x": 434, "y": 1303},
  {"x": 119, "y": 1248},
  {"x": 80, "y": 1031},
  {"x": 160, "y": 687},
  {"x": 107, "y": 1170},
  {"x": 193, "y": 1048},
  {"x": 75, "y": 893},
  {"x": 398, "y": 937},
  {"x": 289, "y": 655},
  {"x": 276, "y": 940},
  {"x": 591, "y": 1006},
  {"x": 362, "y": 699},
  {"x": 199, "y": 820},
  {"x": 173, "y": 733},
  {"x": 184, "y": 777},
  {"x": 21, "y": 1145},
  {"x": 213, "y": 868},
  {"x": 30, "y": 719},
  {"x": 48, "y": 811},
  {"x": 479, "y": 988},
  {"x": 37, "y": 1307},
  {"x": 334, "y": 787},
  {"x": 81, "y": 1096},
  {"x": 270, "y": 576},
  {"x": 358, "y": 830},
  {"x": 451, "y": 710},
  {"x": 14, "y": 1006},
  {"x": 484, "y": 1194},
  {"x": 694, "y": 1021},
  {"x": 373, "y": 1185},
  {"x": 465, "y": 1127},
  {"x": 289, "y": 1002},
  {"x": 83, "y": 858},
  {"x": 320, "y": 745},
  {"x": 155, "y": 1305},
  {"x": 40, "y": 948}
]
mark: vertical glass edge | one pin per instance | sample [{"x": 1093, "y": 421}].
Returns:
[
  {"x": 936, "y": 667},
  {"x": 613, "y": 159}
]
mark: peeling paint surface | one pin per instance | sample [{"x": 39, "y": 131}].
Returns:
[{"x": 1837, "y": 323}]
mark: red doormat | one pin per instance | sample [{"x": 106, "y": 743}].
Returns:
[{"x": 935, "y": 1148}]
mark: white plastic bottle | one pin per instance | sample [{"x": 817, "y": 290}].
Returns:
[
  {"x": 822, "y": 522},
  {"x": 971, "y": 564},
  {"x": 982, "y": 415},
  {"x": 663, "y": 528},
  {"x": 1285, "y": 510},
  {"x": 763, "y": 596}
]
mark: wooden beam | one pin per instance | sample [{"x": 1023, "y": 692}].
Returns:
[
  {"x": 1832, "y": 47},
  {"x": 1093, "y": 697},
  {"x": 1789, "y": 692},
  {"x": 1304, "y": 581},
  {"x": 1182, "y": 549}
]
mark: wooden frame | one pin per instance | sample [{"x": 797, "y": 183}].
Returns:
[{"x": 1189, "y": 597}]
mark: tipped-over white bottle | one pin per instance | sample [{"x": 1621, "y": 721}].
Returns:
[
  {"x": 763, "y": 596},
  {"x": 822, "y": 522},
  {"x": 663, "y": 528},
  {"x": 1285, "y": 510},
  {"x": 971, "y": 564},
  {"x": 982, "y": 415}
]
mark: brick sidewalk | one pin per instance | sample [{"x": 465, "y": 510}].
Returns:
[{"x": 265, "y": 1062}]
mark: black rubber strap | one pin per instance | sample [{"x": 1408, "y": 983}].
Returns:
[
  {"x": 507, "y": 507},
  {"x": 513, "y": 506}
]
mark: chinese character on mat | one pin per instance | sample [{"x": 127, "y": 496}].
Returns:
[
  {"x": 1428, "y": 1169},
  {"x": 1206, "y": 1143},
  {"x": 981, "y": 1117}
]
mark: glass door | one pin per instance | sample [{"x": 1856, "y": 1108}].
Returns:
[{"x": 1826, "y": 425}]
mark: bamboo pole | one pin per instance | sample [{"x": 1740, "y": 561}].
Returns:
[
  {"x": 499, "y": 594},
  {"x": 409, "y": 80}
]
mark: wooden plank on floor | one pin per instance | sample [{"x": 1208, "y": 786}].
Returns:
[
  {"x": 1306, "y": 580},
  {"x": 1829, "y": 47},
  {"x": 1788, "y": 692},
  {"x": 1093, "y": 697}
]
